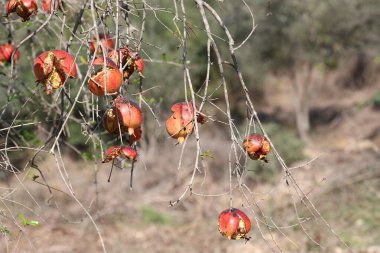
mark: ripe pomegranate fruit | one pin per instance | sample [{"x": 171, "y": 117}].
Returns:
[
  {"x": 23, "y": 8},
  {"x": 180, "y": 124},
  {"x": 6, "y": 51},
  {"x": 47, "y": 5},
  {"x": 234, "y": 224},
  {"x": 105, "y": 41},
  {"x": 257, "y": 146},
  {"x": 128, "y": 113},
  {"x": 122, "y": 151},
  {"x": 130, "y": 61},
  {"x": 135, "y": 136},
  {"x": 111, "y": 123},
  {"x": 53, "y": 67},
  {"x": 107, "y": 80}
]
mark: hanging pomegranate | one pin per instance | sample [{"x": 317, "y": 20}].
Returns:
[
  {"x": 123, "y": 151},
  {"x": 234, "y": 224},
  {"x": 111, "y": 123},
  {"x": 128, "y": 113},
  {"x": 6, "y": 51},
  {"x": 130, "y": 61},
  {"x": 107, "y": 79},
  {"x": 135, "y": 136},
  {"x": 46, "y": 5},
  {"x": 257, "y": 146},
  {"x": 23, "y": 8},
  {"x": 53, "y": 67},
  {"x": 180, "y": 124},
  {"x": 105, "y": 41}
]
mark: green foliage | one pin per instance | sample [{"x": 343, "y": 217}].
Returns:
[
  {"x": 29, "y": 137},
  {"x": 150, "y": 215},
  {"x": 4, "y": 230},
  {"x": 25, "y": 222},
  {"x": 376, "y": 100},
  {"x": 207, "y": 154},
  {"x": 287, "y": 144}
]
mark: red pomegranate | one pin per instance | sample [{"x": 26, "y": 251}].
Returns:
[
  {"x": 180, "y": 124},
  {"x": 23, "y": 8},
  {"x": 234, "y": 224},
  {"x": 130, "y": 61},
  {"x": 122, "y": 151},
  {"x": 105, "y": 41},
  {"x": 47, "y": 5},
  {"x": 6, "y": 51},
  {"x": 129, "y": 114},
  {"x": 53, "y": 67},
  {"x": 135, "y": 136},
  {"x": 257, "y": 146},
  {"x": 111, "y": 123},
  {"x": 107, "y": 80}
]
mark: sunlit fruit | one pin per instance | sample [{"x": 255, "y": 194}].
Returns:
[
  {"x": 123, "y": 151},
  {"x": 257, "y": 146},
  {"x": 234, "y": 224},
  {"x": 106, "y": 43},
  {"x": 180, "y": 124},
  {"x": 6, "y": 51},
  {"x": 129, "y": 114},
  {"x": 107, "y": 78},
  {"x": 130, "y": 61},
  {"x": 23, "y": 8},
  {"x": 49, "y": 5},
  {"x": 135, "y": 136},
  {"x": 53, "y": 67},
  {"x": 111, "y": 122}
]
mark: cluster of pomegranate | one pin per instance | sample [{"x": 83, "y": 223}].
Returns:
[
  {"x": 107, "y": 78},
  {"x": 26, "y": 8},
  {"x": 52, "y": 68},
  {"x": 6, "y": 51},
  {"x": 257, "y": 146},
  {"x": 181, "y": 123},
  {"x": 124, "y": 116},
  {"x": 123, "y": 151},
  {"x": 234, "y": 224}
]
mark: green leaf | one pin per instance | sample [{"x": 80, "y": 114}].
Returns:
[
  {"x": 33, "y": 223},
  {"x": 23, "y": 219},
  {"x": 4, "y": 230},
  {"x": 82, "y": 60},
  {"x": 207, "y": 153}
]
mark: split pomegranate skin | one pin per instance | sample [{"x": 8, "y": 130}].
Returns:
[{"x": 234, "y": 224}]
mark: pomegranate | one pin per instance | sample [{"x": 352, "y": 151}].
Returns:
[
  {"x": 122, "y": 151},
  {"x": 180, "y": 124},
  {"x": 134, "y": 63},
  {"x": 6, "y": 51},
  {"x": 107, "y": 80},
  {"x": 111, "y": 122},
  {"x": 135, "y": 136},
  {"x": 128, "y": 113},
  {"x": 105, "y": 41},
  {"x": 53, "y": 67},
  {"x": 129, "y": 61},
  {"x": 23, "y": 8},
  {"x": 234, "y": 224},
  {"x": 257, "y": 146},
  {"x": 46, "y": 5}
]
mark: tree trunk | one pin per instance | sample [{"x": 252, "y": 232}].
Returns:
[{"x": 301, "y": 83}]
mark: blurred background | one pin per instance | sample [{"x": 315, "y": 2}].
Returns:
[{"x": 312, "y": 70}]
